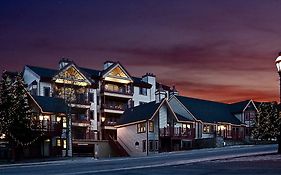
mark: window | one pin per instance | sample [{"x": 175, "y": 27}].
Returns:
[
  {"x": 185, "y": 128},
  {"x": 91, "y": 97},
  {"x": 64, "y": 143},
  {"x": 143, "y": 91},
  {"x": 34, "y": 91},
  {"x": 144, "y": 146},
  {"x": 58, "y": 142},
  {"x": 137, "y": 144},
  {"x": 47, "y": 91},
  {"x": 156, "y": 145},
  {"x": 208, "y": 129},
  {"x": 58, "y": 119},
  {"x": 141, "y": 127},
  {"x": 64, "y": 122},
  {"x": 91, "y": 115},
  {"x": 151, "y": 126},
  {"x": 98, "y": 100},
  {"x": 151, "y": 145}
]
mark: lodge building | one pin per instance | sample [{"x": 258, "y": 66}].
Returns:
[{"x": 110, "y": 112}]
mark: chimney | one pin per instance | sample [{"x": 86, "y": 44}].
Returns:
[
  {"x": 63, "y": 62},
  {"x": 107, "y": 64},
  {"x": 151, "y": 79},
  {"x": 174, "y": 91},
  {"x": 160, "y": 94}
]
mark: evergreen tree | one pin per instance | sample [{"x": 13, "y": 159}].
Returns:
[
  {"x": 15, "y": 113},
  {"x": 267, "y": 122},
  {"x": 6, "y": 103}
]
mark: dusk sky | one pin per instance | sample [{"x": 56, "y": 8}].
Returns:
[{"x": 217, "y": 49}]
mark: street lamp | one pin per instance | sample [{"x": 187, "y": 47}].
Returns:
[{"x": 278, "y": 65}]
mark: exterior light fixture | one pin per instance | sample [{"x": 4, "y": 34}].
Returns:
[
  {"x": 41, "y": 117},
  {"x": 102, "y": 119}
]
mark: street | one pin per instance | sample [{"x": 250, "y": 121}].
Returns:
[{"x": 204, "y": 161}]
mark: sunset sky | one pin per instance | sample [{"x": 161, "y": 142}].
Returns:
[{"x": 216, "y": 49}]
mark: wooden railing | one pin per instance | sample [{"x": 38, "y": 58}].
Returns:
[{"x": 177, "y": 132}]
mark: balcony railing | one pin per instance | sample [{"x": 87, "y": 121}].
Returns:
[
  {"x": 79, "y": 119},
  {"x": 109, "y": 123},
  {"x": 177, "y": 132},
  {"x": 115, "y": 106},
  {"x": 48, "y": 127},
  {"x": 118, "y": 90}
]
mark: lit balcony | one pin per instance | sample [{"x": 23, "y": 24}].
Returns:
[
  {"x": 124, "y": 91},
  {"x": 177, "y": 132},
  {"x": 114, "y": 107}
]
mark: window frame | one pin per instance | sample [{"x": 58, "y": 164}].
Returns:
[
  {"x": 143, "y": 145},
  {"x": 141, "y": 127},
  {"x": 143, "y": 91},
  {"x": 151, "y": 127}
]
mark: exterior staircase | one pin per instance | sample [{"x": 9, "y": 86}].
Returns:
[{"x": 117, "y": 148}]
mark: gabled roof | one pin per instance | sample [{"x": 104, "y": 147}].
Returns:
[
  {"x": 81, "y": 71},
  {"x": 139, "y": 113},
  {"x": 238, "y": 107},
  {"x": 95, "y": 74},
  {"x": 51, "y": 104},
  {"x": 48, "y": 74},
  {"x": 114, "y": 66},
  {"x": 208, "y": 111},
  {"x": 182, "y": 118},
  {"x": 44, "y": 73}
]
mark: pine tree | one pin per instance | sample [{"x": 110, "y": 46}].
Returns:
[
  {"x": 15, "y": 113},
  {"x": 6, "y": 102}
]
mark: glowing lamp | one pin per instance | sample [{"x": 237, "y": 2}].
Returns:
[
  {"x": 41, "y": 117},
  {"x": 103, "y": 119},
  {"x": 278, "y": 63}
]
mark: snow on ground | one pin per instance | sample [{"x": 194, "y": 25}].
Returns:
[{"x": 269, "y": 157}]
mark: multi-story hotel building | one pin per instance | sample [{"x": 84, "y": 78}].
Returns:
[
  {"x": 95, "y": 98},
  {"x": 111, "y": 112}
]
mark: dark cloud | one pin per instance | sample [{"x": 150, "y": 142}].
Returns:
[{"x": 223, "y": 50}]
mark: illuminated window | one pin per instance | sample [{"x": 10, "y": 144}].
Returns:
[
  {"x": 64, "y": 125},
  {"x": 58, "y": 142},
  {"x": 117, "y": 72},
  {"x": 64, "y": 144},
  {"x": 141, "y": 127},
  {"x": 151, "y": 126},
  {"x": 208, "y": 128},
  {"x": 58, "y": 118}
]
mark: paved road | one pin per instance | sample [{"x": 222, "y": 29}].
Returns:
[{"x": 187, "y": 162}]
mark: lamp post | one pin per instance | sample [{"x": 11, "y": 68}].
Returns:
[{"x": 278, "y": 65}]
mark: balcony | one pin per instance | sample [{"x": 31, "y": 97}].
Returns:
[
  {"x": 47, "y": 127},
  {"x": 80, "y": 120},
  {"x": 117, "y": 108},
  {"x": 177, "y": 132},
  {"x": 117, "y": 91}
]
